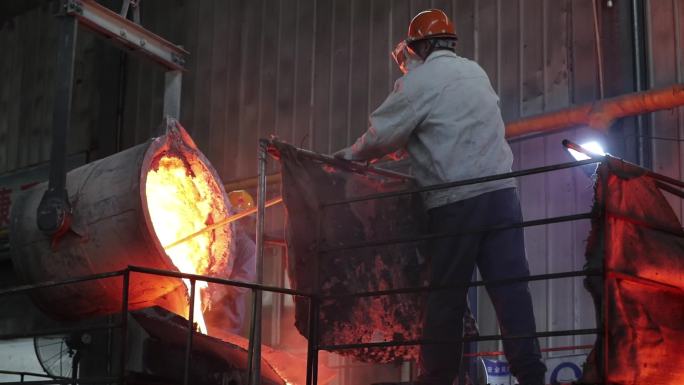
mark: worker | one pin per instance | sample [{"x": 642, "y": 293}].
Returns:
[
  {"x": 445, "y": 114},
  {"x": 228, "y": 303}
]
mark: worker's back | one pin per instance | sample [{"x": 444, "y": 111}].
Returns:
[{"x": 460, "y": 132}]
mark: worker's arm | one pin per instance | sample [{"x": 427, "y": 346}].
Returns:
[{"x": 391, "y": 126}]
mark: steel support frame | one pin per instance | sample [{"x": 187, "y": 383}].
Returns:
[
  {"x": 126, "y": 33},
  {"x": 54, "y": 211},
  {"x": 133, "y": 37}
]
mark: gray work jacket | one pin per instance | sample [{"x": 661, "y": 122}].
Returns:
[{"x": 447, "y": 117}]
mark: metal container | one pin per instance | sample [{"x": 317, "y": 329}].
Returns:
[{"x": 111, "y": 230}]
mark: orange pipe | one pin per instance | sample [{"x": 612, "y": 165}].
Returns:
[{"x": 600, "y": 114}]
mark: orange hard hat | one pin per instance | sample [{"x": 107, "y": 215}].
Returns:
[
  {"x": 431, "y": 24},
  {"x": 240, "y": 200}
]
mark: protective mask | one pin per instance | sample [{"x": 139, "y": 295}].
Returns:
[{"x": 405, "y": 57}]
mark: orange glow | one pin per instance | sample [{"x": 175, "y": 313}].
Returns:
[{"x": 181, "y": 200}]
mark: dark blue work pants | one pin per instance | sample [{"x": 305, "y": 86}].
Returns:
[{"x": 499, "y": 255}]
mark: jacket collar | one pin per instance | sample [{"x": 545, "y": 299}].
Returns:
[{"x": 440, "y": 53}]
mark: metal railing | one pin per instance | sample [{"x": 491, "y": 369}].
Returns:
[
  {"x": 315, "y": 298},
  {"x": 122, "y": 323},
  {"x": 314, "y": 346}
]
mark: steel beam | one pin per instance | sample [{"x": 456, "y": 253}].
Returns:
[
  {"x": 122, "y": 31},
  {"x": 172, "y": 93},
  {"x": 54, "y": 211}
]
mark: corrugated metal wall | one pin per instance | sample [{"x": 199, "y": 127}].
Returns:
[
  {"x": 310, "y": 71},
  {"x": 28, "y": 44},
  {"x": 665, "y": 43}
]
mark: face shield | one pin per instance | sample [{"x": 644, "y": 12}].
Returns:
[{"x": 405, "y": 57}]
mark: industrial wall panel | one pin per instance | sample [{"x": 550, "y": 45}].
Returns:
[
  {"x": 665, "y": 39},
  {"x": 29, "y": 45}
]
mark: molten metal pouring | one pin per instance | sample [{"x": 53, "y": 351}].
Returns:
[{"x": 182, "y": 199}]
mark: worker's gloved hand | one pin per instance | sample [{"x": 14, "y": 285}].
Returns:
[{"x": 345, "y": 153}]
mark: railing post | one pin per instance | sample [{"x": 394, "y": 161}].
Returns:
[
  {"x": 602, "y": 361},
  {"x": 312, "y": 347},
  {"x": 124, "y": 326},
  {"x": 255, "y": 328},
  {"x": 191, "y": 328},
  {"x": 314, "y": 305}
]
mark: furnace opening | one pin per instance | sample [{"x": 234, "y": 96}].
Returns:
[{"x": 182, "y": 198}]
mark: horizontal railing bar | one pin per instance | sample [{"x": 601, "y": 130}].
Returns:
[
  {"x": 30, "y": 374},
  {"x": 494, "y": 337},
  {"x": 537, "y": 222},
  {"x": 62, "y": 380},
  {"x": 644, "y": 281},
  {"x": 222, "y": 281},
  {"x": 55, "y": 331},
  {"x": 441, "y": 186},
  {"x": 544, "y": 350},
  {"x": 68, "y": 281},
  {"x": 499, "y": 282}
]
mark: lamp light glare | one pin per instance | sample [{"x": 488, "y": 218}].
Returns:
[{"x": 592, "y": 147}]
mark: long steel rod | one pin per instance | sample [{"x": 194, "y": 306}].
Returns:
[
  {"x": 670, "y": 189},
  {"x": 494, "y": 337},
  {"x": 638, "y": 80},
  {"x": 221, "y": 281},
  {"x": 43, "y": 375},
  {"x": 351, "y": 166},
  {"x": 498, "y": 282},
  {"x": 426, "y": 237},
  {"x": 599, "y": 51},
  {"x": 191, "y": 329},
  {"x": 660, "y": 177},
  {"x": 100, "y": 380},
  {"x": 664, "y": 178},
  {"x": 43, "y": 285},
  {"x": 65, "y": 330},
  {"x": 441, "y": 186},
  {"x": 224, "y": 222}
]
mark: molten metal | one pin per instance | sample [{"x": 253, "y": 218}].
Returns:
[{"x": 182, "y": 200}]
